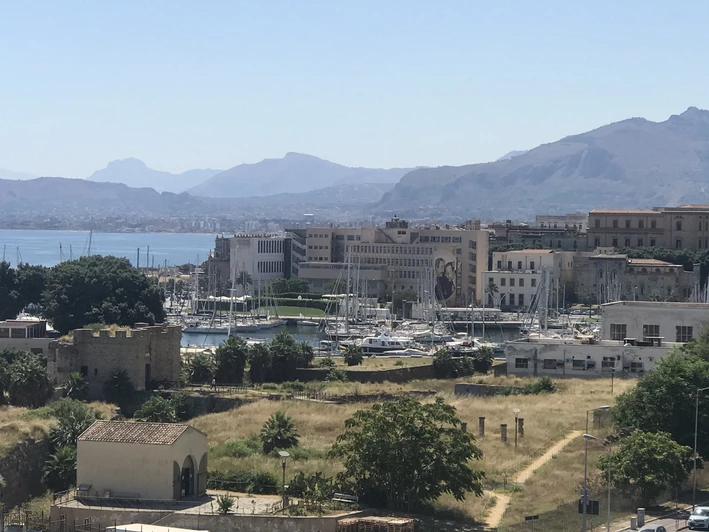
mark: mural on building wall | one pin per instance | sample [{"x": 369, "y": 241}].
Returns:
[{"x": 445, "y": 277}]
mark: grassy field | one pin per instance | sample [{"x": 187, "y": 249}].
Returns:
[
  {"x": 548, "y": 418},
  {"x": 370, "y": 363}
]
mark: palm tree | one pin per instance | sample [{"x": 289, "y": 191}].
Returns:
[
  {"x": 60, "y": 469},
  {"x": 492, "y": 290},
  {"x": 353, "y": 355},
  {"x": 278, "y": 432},
  {"x": 243, "y": 279},
  {"x": 70, "y": 427},
  {"x": 76, "y": 387},
  {"x": 230, "y": 360}
]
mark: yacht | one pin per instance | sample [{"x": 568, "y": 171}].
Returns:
[{"x": 372, "y": 345}]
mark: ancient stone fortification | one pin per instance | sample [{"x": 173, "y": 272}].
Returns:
[
  {"x": 397, "y": 375},
  {"x": 21, "y": 470},
  {"x": 145, "y": 352}
]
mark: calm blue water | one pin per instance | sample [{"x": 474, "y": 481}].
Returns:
[{"x": 42, "y": 247}]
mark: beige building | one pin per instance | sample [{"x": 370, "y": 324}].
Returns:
[
  {"x": 643, "y": 320},
  {"x": 457, "y": 256},
  {"x": 25, "y": 335},
  {"x": 153, "y": 461},
  {"x": 145, "y": 352},
  {"x": 576, "y": 222},
  {"x": 684, "y": 227}
]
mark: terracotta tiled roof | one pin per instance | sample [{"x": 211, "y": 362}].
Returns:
[
  {"x": 129, "y": 432},
  {"x": 649, "y": 262}
]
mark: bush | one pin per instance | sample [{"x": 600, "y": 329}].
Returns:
[
  {"x": 118, "y": 389},
  {"x": 28, "y": 381},
  {"x": 327, "y": 362},
  {"x": 543, "y": 386},
  {"x": 60, "y": 469},
  {"x": 72, "y": 421},
  {"x": 278, "y": 432},
  {"x": 353, "y": 355},
  {"x": 336, "y": 375},
  {"x": 225, "y": 503},
  {"x": 76, "y": 387},
  {"x": 294, "y": 386},
  {"x": 239, "y": 448},
  {"x": 156, "y": 410},
  {"x": 257, "y": 482}
]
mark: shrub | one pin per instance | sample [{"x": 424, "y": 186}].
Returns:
[
  {"x": 295, "y": 386},
  {"x": 258, "y": 482},
  {"x": 71, "y": 423},
  {"x": 29, "y": 382},
  {"x": 156, "y": 410},
  {"x": 543, "y": 386},
  {"x": 60, "y": 469},
  {"x": 239, "y": 448},
  {"x": 327, "y": 362},
  {"x": 353, "y": 355},
  {"x": 76, "y": 387},
  {"x": 336, "y": 375},
  {"x": 278, "y": 432},
  {"x": 118, "y": 389},
  {"x": 225, "y": 503}
]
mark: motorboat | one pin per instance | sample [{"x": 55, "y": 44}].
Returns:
[{"x": 372, "y": 345}]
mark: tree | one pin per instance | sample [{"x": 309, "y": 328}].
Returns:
[
  {"x": 157, "y": 410},
  {"x": 286, "y": 358},
  {"x": 335, "y": 286},
  {"x": 60, "y": 469},
  {"x": 648, "y": 463},
  {"x": 118, "y": 388},
  {"x": 76, "y": 387},
  {"x": 20, "y": 287},
  {"x": 407, "y": 454},
  {"x": 29, "y": 383},
  {"x": 278, "y": 432},
  {"x": 70, "y": 425},
  {"x": 230, "y": 360},
  {"x": 663, "y": 400},
  {"x": 243, "y": 279},
  {"x": 305, "y": 355},
  {"x": 259, "y": 363},
  {"x": 201, "y": 369},
  {"x": 491, "y": 292},
  {"x": 353, "y": 355},
  {"x": 482, "y": 359},
  {"x": 100, "y": 290}
]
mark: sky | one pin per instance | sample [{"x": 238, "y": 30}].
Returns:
[{"x": 382, "y": 83}]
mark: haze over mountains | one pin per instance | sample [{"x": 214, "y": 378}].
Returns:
[{"x": 632, "y": 163}]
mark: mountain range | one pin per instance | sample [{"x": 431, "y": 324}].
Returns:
[
  {"x": 294, "y": 173},
  {"x": 135, "y": 173},
  {"x": 632, "y": 163}
]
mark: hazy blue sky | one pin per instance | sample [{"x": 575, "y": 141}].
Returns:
[{"x": 188, "y": 84}]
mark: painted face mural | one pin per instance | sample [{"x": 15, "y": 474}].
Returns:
[{"x": 445, "y": 278}]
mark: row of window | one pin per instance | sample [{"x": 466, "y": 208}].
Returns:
[
  {"x": 412, "y": 263},
  {"x": 608, "y": 363},
  {"x": 270, "y": 266},
  {"x": 318, "y": 235},
  {"x": 507, "y": 300},
  {"x": 270, "y": 246},
  {"x": 683, "y": 333},
  {"x": 520, "y": 282},
  {"x": 519, "y": 265},
  {"x": 318, "y": 247},
  {"x": 703, "y": 226},
  {"x": 442, "y": 239},
  {"x": 391, "y": 249}
]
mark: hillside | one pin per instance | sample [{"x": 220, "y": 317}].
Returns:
[
  {"x": 294, "y": 173},
  {"x": 632, "y": 163},
  {"x": 135, "y": 173}
]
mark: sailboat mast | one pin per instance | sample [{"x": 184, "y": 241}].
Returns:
[{"x": 91, "y": 234}]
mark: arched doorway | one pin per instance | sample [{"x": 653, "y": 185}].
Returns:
[
  {"x": 202, "y": 476},
  {"x": 176, "y": 480},
  {"x": 187, "y": 478}
]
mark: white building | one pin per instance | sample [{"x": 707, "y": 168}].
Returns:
[
  {"x": 653, "y": 321},
  {"x": 153, "y": 461},
  {"x": 25, "y": 335},
  {"x": 261, "y": 256}
]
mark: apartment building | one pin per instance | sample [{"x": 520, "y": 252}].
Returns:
[
  {"x": 684, "y": 227},
  {"x": 576, "y": 222},
  {"x": 457, "y": 255}
]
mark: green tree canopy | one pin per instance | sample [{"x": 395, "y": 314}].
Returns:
[
  {"x": 230, "y": 360},
  {"x": 20, "y": 287},
  {"x": 664, "y": 399},
  {"x": 28, "y": 381},
  {"x": 648, "y": 463},
  {"x": 407, "y": 454},
  {"x": 60, "y": 469},
  {"x": 100, "y": 290},
  {"x": 353, "y": 355},
  {"x": 156, "y": 410},
  {"x": 260, "y": 360},
  {"x": 76, "y": 387},
  {"x": 118, "y": 388}
]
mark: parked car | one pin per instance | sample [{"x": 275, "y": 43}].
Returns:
[
  {"x": 699, "y": 520},
  {"x": 653, "y": 528}
]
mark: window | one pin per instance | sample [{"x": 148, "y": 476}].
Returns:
[
  {"x": 512, "y": 281},
  {"x": 509, "y": 264},
  {"x": 519, "y": 264},
  {"x": 615, "y": 242},
  {"x": 531, "y": 264},
  {"x": 579, "y": 365},
  {"x": 472, "y": 244},
  {"x": 678, "y": 224},
  {"x": 558, "y": 243},
  {"x": 499, "y": 264},
  {"x": 85, "y": 371},
  {"x": 627, "y": 242},
  {"x": 598, "y": 223},
  {"x": 521, "y": 363},
  {"x": 678, "y": 243},
  {"x": 4, "y": 332},
  {"x": 641, "y": 224},
  {"x": 534, "y": 283},
  {"x": 637, "y": 367},
  {"x": 512, "y": 300},
  {"x": 653, "y": 224},
  {"x": 619, "y": 331},
  {"x": 597, "y": 242},
  {"x": 652, "y": 242},
  {"x": 520, "y": 299},
  {"x": 521, "y": 282},
  {"x": 640, "y": 242},
  {"x": 651, "y": 330},
  {"x": 503, "y": 281},
  {"x": 615, "y": 224},
  {"x": 684, "y": 334},
  {"x": 549, "y": 363},
  {"x": 95, "y": 372},
  {"x": 627, "y": 224},
  {"x": 608, "y": 363}
]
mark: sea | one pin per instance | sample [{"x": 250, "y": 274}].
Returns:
[{"x": 48, "y": 248}]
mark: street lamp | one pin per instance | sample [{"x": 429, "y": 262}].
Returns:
[
  {"x": 589, "y": 437},
  {"x": 284, "y": 456},
  {"x": 696, "y": 426},
  {"x": 516, "y": 412},
  {"x": 584, "y": 493}
]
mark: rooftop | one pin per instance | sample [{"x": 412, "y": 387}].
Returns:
[
  {"x": 133, "y": 432},
  {"x": 649, "y": 262},
  {"x": 19, "y": 324},
  {"x": 659, "y": 304},
  {"x": 625, "y": 211},
  {"x": 540, "y": 251}
]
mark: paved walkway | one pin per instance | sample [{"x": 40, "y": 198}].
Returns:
[{"x": 497, "y": 512}]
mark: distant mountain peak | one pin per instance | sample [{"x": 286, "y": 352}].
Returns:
[{"x": 135, "y": 173}]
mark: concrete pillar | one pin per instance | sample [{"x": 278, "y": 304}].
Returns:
[
  {"x": 503, "y": 432},
  {"x": 641, "y": 517},
  {"x": 481, "y": 426},
  {"x": 520, "y": 427}
]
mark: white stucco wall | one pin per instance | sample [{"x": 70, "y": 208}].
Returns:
[{"x": 635, "y": 314}]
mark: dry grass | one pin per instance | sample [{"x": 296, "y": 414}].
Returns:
[
  {"x": 15, "y": 427},
  {"x": 370, "y": 363},
  {"x": 548, "y": 418}
]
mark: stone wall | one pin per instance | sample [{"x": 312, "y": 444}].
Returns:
[
  {"x": 397, "y": 375},
  {"x": 201, "y": 404},
  {"x": 22, "y": 471},
  {"x": 144, "y": 352},
  {"x": 481, "y": 390}
]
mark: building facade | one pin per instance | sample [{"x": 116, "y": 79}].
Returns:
[
  {"x": 25, "y": 335},
  {"x": 576, "y": 222},
  {"x": 149, "y": 461},
  {"x": 684, "y": 227},
  {"x": 643, "y": 320},
  {"x": 455, "y": 256},
  {"x": 144, "y": 352}
]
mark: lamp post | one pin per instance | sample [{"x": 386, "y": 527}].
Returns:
[
  {"x": 584, "y": 493},
  {"x": 284, "y": 457},
  {"x": 589, "y": 437},
  {"x": 516, "y": 412},
  {"x": 696, "y": 426}
]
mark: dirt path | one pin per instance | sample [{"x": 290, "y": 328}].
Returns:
[{"x": 496, "y": 513}]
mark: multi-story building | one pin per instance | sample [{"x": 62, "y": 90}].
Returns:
[
  {"x": 576, "y": 222},
  {"x": 653, "y": 321},
  {"x": 398, "y": 257},
  {"x": 685, "y": 227},
  {"x": 25, "y": 335}
]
